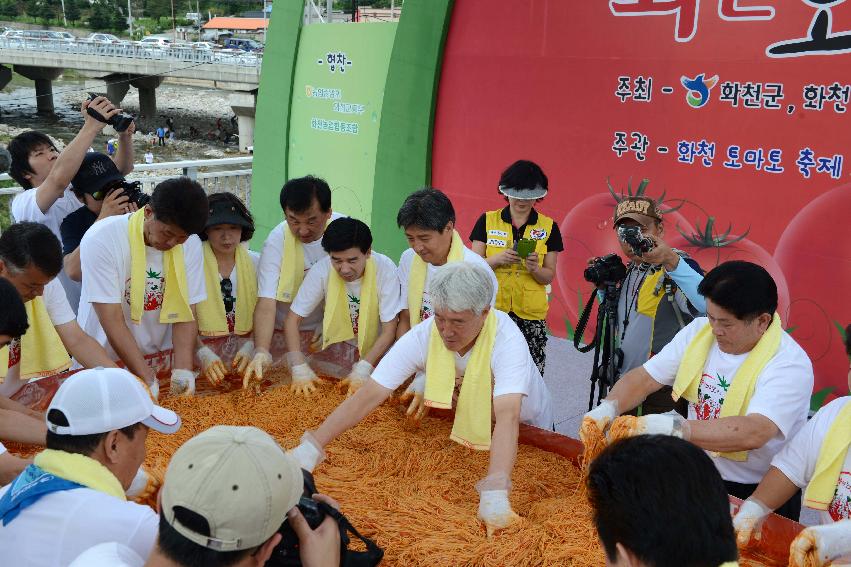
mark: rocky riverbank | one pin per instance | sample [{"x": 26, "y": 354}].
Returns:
[{"x": 201, "y": 117}]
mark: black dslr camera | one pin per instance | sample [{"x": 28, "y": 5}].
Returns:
[
  {"x": 120, "y": 122},
  {"x": 287, "y": 552},
  {"x": 639, "y": 243},
  {"x": 133, "y": 191},
  {"x": 606, "y": 270}
]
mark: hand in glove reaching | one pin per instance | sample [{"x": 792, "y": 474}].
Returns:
[
  {"x": 357, "y": 377},
  {"x": 415, "y": 394},
  {"x": 253, "y": 375},
  {"x": 211, "y": 365},
  {"x": 182, "y": 382}
]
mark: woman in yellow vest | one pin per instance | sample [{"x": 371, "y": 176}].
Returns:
[
  {"x": 230, "y": 274},
  {"x": 521, "y": 246}
]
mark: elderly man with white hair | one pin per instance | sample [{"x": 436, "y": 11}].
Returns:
[{"x": 475, "y": 360}]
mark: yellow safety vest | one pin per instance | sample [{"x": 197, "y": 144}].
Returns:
[{"x": 518, "y": 290}]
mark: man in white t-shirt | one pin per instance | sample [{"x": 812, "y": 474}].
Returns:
[
  {"x": 502, "y": 371},
  {"x": 348, "y": 242},
  {"x": 73, "y": 495},
  {"x": 737, "y": 355},
  {"x": 794, "y": 468},
  {"x": 165, "y": 228},
  {"x": 30, "y": 258},
  {"x": 45, "y": 174},
  {"x": 306, "y": 203},
  {"x": 428, "y": 219}
]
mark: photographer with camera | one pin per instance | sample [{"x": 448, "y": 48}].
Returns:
[
  {"x": 229, "y": 495},
  {"x": 104, "y": 193},
  {"x": 45, "y": 174},
  {"x": 656, "y": 293}
]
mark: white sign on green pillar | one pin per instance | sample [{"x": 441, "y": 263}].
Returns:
[{"x": 336, "y": 109}]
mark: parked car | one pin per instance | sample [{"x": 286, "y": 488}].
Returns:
[
  {"x": 160, "y": 42},
  {"x": 103, "y": 38},
  {"x": 63, "y": 36},
  {"x": 243, "y": 44},
  {"x": 203, "y": 45}
]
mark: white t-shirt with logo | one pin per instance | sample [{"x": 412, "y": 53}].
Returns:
[
  {"x": 269, "y": 271},
  {"x": 57, "y": 528},
  {"x": 512, "y": 367},
  {"x": 59, "y": 312},
  {"x": 105, "y": 259},
  {"x": 782, "y": 394},
  {"x": 797, "y": 460},
  {"x": 25, "y": 209},
  {"x": 426, "y": 311},
  {"x": 311, "y": 294}
]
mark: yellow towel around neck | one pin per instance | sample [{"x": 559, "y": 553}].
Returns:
[
  {"x": 419, "y": 272},
  {"x": 42, "y": 351},
  {"x": 175, "y": 307},
  {"x": 336, "y": 322},
  {"x": 212, "y": 319},
  {"x": 741, "y": 384},
  {"x": 80, "y": 469},
  {"x": 472, "y": 425},
  {"x": 831, "y": 457},
  {"x": 730, "y": 564}
]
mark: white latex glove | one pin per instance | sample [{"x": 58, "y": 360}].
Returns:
[
  {"x": 140, "y": 481},
  {"x": 302, "y": 375},
  {"x": 495, "y": 510},
  {"x": 670, "y": 423},
  {"x": 252, "y": 377},
  {"x": 358, "y": 376},
  {"x": 822, "y": 543},
  {"x": 182, "y": 382},
  {"x": 243, "y": 357},
  {"x": 211, "y": 365},
  {"x": 748, "y": 521},
  {"x": 414, "y": 393},
  {"x": 154, "y": 388},
  {"x": 308, "y": 453},
  {"x": 603, "y": 415}
]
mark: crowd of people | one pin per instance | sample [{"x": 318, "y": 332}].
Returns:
[{"x": 96, "y": 276}]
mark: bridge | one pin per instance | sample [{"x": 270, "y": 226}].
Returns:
[{"x": 117, "y": 66}]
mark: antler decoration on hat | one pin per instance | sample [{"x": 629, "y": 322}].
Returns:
[{"x": 640, "y": 192}]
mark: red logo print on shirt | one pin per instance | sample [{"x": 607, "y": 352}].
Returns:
[
  {"x": 154, "y": 288},
  {"x": 14, "y": 352},
  {"x": 840, "y": 506},
  {"x": 710, "y": 396}
]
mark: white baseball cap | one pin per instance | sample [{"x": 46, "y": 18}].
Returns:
[
  {"x": 99, "y": 400},
  {"x": 238, "y": 479}
]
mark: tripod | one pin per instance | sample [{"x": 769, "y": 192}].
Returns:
[{"x": 607, "y": 356}]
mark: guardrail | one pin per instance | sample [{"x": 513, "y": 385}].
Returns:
[
  {"x": 237, "y": 181},
  {"x": 135, "y": 50}
]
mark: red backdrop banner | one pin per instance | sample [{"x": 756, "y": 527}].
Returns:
[{"x": 736, "y": 110}]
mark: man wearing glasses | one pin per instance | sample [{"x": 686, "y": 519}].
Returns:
[{"x": 97, "y": 185}]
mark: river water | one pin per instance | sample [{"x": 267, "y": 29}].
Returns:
[{"x": 188, "y": 106}]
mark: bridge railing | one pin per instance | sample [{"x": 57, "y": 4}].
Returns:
[
  {"x": 134, "y": 50},
  {"x": 214, "y": 175}
]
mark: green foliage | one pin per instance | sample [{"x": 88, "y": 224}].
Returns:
[
  {"x": 9, "y": 8},
  {"x": 100, "y": 18},
  {"x": 72, "y": 10},
  {"x": 119, "y": 21}
]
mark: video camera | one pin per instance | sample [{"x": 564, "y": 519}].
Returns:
[
  {"x": 605, "y": 270},
  {"x": 132, "y": 189},
  {"x": 120, "y": 122},
  {"x": 636, "y": 240},
  {"x": 286, "y": 553}
]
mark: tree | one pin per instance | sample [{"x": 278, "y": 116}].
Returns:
[
  {"x": 43, "y": 9},
  {"x": 100, "y": 18},
  {"x": 119, "y": 20},
  {"x": 72, "y": 10},
  {"x": 9, "y": 8}
]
